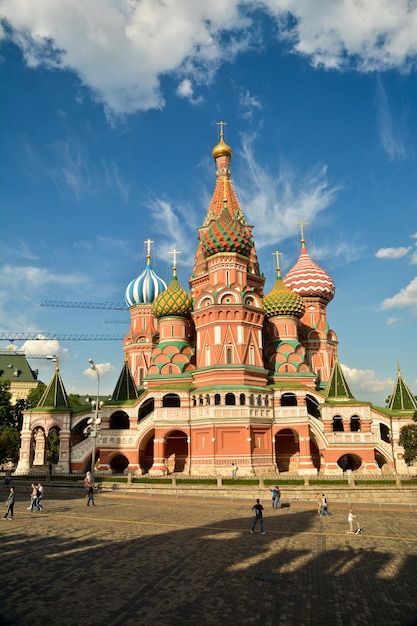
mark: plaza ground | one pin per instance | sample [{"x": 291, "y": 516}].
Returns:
[{"x": 163, "y": 561}]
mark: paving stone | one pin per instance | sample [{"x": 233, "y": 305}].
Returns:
[{"x": 165, "y": 561}]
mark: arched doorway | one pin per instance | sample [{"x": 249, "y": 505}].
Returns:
[
  {"x": 287, "y": 450},
  {"x": 349, "y": 462},
  {"x": 119, "y": 463},
  {"x": 146, "y": 452},
  {"x": 176, "y": 451}
]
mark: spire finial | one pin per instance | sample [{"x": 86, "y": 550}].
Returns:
[
  {"x": 174, "y": 252},
  {"x": 148, "y": 242},
  {"x": 277, "y": 263},
  {"x": 221, "y": 125},
  {"x": 398, "y": 368},
  {"x": 301, "y": 224}
]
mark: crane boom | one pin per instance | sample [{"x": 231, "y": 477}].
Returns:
[
  {"x": 118, "y": 306},
  {"x": 62, "y": 337}
]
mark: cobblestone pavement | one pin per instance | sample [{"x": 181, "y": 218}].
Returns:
[{"x": 134, "y": 560}]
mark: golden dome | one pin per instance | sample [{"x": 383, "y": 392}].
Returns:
[{"x": 222, "y": 149}]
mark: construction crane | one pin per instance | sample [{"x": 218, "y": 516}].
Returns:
[
  {"x": 116, "y": 321},
  {"x": 118, "y": 306},
  {"x": 63, "y": 337}
]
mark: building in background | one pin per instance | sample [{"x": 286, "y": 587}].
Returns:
[
  {"x": 15, "y": 369},
  {"x": 227, "y": 374}
]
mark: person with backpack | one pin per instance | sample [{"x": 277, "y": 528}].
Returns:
[
  {"x": 324, "y": 506},
  {"x": 258, "y": 509}
]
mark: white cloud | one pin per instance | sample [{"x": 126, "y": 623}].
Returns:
[
  {"x": 392, "y": 138},
  {"x": 392, "y": 253},
  {"x": 406, "y": 297},
  {"x": 281, "y": 199},
  {"x": 185, "y": 90},
  {"x": 73, "y": 169},
  {"x": 366, "y": 380},
  {"x": 33, "y": 278},
  {"x": 45, "y": 347},
  {"x": 340, "y": 33},
  {"x": 393, "y": 321},
  {"x": 104, "y": 370},
  {"x": 414, "y": 258},
  {"x": 248, "y": 104},
  {"x": 120, "y": 49}
]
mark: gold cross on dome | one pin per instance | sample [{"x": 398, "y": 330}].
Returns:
[
  {"x": 301, "y": 224},
  {"x": 277, "y": 267},
  {"x": 221, "y": 124},
  {"x": 175, "y": 252}
]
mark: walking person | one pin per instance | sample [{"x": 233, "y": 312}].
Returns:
[
  {"x": 10, "y": 503},
  {"x": 89, "y": 482},
  {"x": 351, "y": 517},
  {"x": 234, "y": 469},
  {"x": 39, "y": 497},
  {"x": 258, "y": 509},
  {"x": 318, "y": 503},
  {"x": 324, "y": 505},
  {"x": 33, "y": 497}
]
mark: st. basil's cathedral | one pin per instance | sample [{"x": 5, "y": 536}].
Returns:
[{"x": 226, "y": 374}]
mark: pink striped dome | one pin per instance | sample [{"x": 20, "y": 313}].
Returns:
[{"x": 309, "y": 279}]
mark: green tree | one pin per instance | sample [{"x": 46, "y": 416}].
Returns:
[
  {"x": 6, "y": 409},
  {"x": 408, "y": 440},
  {"x": 74, "y": 400},
  {"x": 35, "y": 395},
  {"x": 9, "y": 443},
  {"x": 52, "y": 445}
]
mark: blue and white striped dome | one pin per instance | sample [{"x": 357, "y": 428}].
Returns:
[{"x": 145, "y": 288}]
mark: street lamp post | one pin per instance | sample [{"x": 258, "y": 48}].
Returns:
[{"x": 94, "y": 422}]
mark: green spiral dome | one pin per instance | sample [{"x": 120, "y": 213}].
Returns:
[
  {"x": 174, "y": 300},
  {"x": 283, "y": 301}
]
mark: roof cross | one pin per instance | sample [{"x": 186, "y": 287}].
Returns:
[
  {"x": 278, "y": 266},
  {"x": 175, "y": 252},
  {"x": 148, "y": 243},
  {"x": 221, "y": 124},
  {"x": 301, "y": 224}
]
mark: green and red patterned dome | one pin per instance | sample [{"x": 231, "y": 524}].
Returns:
[
  {"x": 173, "y": 301},
  {"x": 226, "y": 234},
  {"x": 283, "y": 301}
]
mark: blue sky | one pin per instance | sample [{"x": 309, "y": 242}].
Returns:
[{"x": 108, "y": 119}]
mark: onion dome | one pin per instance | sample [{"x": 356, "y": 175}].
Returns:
[
  {"x": 222, "y": 149},
  {"x": 226, "y": 234},
  {"x": 145, "y": 288},
  {"x": 309, "y": 279},
  {"x": 173, "y": 301},
  {"x": 282, "y": 301}
]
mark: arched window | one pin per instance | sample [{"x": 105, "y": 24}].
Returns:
[
  {"x": 242, "y": 399},
  {"x": 217, "y": 399},
  {"x": 208, "y": 356},
  {"x": 229, "y": 356},
  {"x": 171, "y": 400},
  {"x": 288, "y": 399},
  {"x": 251, "y": 355},
  {"x": 338, "y": 426},
  {"x": 207, "y": 398},
  {"x": 355, "y": 424},
  {"x": 119, "y": 420},
  {"x": 252, "y": 400},
  {"x": 230, "y": 399}
]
